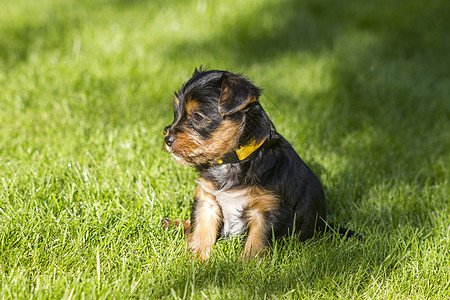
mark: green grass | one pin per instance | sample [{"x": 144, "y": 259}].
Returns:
[{"x": 361, "y": 89}]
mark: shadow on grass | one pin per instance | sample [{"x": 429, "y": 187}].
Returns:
[{"x": 21, "y": 39}]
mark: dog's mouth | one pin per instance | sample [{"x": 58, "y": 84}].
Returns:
[
  {"x": 177, "y": 158},
  {"x": 167, "y": 148}
]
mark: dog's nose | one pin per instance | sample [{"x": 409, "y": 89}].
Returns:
[{"x": 169, "y": 139}]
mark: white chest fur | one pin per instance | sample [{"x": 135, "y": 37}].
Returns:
[{"x": 232, "y": 202}]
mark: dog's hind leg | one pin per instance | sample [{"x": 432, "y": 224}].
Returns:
[{"x": 166, "y": 223}]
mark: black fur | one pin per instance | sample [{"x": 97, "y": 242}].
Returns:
[
  {"x": 277, "y": 167},
  {"x": 274, "y": 167}
]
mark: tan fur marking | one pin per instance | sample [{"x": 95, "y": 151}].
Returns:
[
  {"x": 226, "y": 137},
  {"x": 196, "y": 150},
  {"x": 249, "y": 100},
  {"x": 226, "y": 96},
  {"x": 261, "y": 202},
  {"x": 166, "y": 223},
  {"x": 208, "y": 216},
  {"x": 187, "y": 226},
  {"x": 192, "y": 106}
]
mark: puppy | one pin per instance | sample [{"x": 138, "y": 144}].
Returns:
[{"x": 251, "y": 181}]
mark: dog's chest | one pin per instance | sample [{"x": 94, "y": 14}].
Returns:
[{"x": 233, "y": 204}]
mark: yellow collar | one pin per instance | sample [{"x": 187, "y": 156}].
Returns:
[{"x": 243, "y": 152}]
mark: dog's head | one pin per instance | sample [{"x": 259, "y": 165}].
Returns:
[{"x": 215, "y": 112}]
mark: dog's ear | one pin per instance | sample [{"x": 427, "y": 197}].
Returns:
[{"x": 236, "y": 93}]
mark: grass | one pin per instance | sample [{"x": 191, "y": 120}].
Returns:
[{"x": 361, "y": 90}]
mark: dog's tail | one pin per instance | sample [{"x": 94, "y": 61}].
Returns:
[{"x": 343, "y": 232}]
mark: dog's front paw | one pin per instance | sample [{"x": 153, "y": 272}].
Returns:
[
  {"x": 251, "y": 254},
  {"x": 198, "y": 250}
]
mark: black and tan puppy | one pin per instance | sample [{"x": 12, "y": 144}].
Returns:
[{"x": 251, "y": 181}]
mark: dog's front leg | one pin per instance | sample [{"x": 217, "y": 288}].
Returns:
[
  {"x": 206, "y": 219},
  {"x": 259, "y": 228},
  {"x": 256, "y": 238}
]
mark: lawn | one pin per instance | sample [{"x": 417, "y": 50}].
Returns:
[{"x": 361, "y": 89}]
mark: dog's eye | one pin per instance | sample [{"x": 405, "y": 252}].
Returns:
[{"x": 197, "y": 117}]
